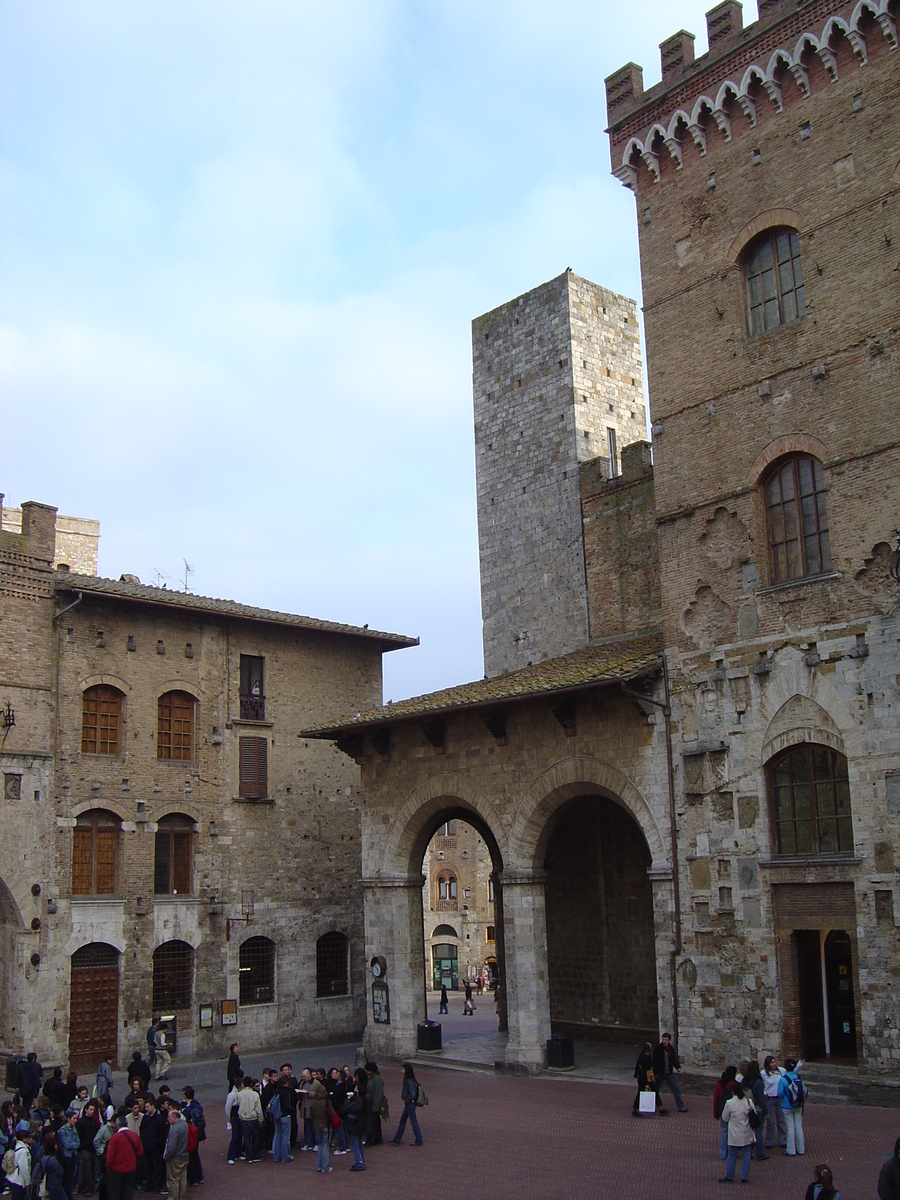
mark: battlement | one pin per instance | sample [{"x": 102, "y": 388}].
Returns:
[{"x": 771, "y": 64}]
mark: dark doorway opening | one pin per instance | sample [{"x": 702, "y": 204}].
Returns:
[
  {"x": 826, "y": 995},
  {"x": 839, "y": 990},
  {"x": 809, "y": 978},
  {"x": 601, "y": 943}
]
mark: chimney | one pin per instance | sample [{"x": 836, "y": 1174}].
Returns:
[
  {"x": 636, "y": 460},
  {"x": 676, "y": 52},
  {"x": 39, "y": 526}
]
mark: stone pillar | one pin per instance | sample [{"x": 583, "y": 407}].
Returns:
[
  {"x": 526, "y": 981},
  {"x": 393, "y": 918},
  {"x": 662, "y": 881}
]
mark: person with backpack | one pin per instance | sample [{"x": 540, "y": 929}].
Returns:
[
  {"x": 737, "y": 1114},
  {"x": 409, "y": 1098},
  {"x": 193, "y": 1114},
  {"x": 792, "y": 1092},
  {"x": 17, "y": 1162},
  {"x": 822, "y": 1186},
  {"x": 278, "y": 1108}
]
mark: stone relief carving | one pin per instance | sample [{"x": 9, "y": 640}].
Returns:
[
  {"x": 725, "y": 538},
  {"x": 707, "y": 620}
]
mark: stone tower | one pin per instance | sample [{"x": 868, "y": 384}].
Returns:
[{"x": 557, "y": 381}]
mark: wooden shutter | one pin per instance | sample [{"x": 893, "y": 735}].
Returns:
[
  {"x": 254, "y": 768},
  {"x": 181, "y": 863},
  {"x": 81, "y": 862},
  {"x": 107, "y": 853}
]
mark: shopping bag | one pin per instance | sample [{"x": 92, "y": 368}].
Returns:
[{"x": 647, "y": 1103}]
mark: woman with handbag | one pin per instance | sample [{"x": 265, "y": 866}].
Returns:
[
  {"x": 409, "y": 1094},
  {"x": 738, "y": 1112},
  {"x": 720, "y": 1097},
  {"x": 646, "y": 1079}
]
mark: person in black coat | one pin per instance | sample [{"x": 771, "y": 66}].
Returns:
[
  {"x": 233, "y": 1069},
  {"x": 138, "y": 1069},
  {"x": 154, "y": 1131},
  {"x": 889, "y": 1179},
  {"x": 642, "y": 1069},
  {"x": 665, "y": 1064}
]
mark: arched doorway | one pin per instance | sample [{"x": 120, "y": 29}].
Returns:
[
  {"x": 601, "y": 944},
  {"x": 93, "y": 1006}
]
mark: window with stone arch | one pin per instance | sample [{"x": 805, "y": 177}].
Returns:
[
  {"x": 332, "y": 958},
  {"x": 809, "y": 796},
  {"x": 447, "y": 891},
  {"x": 96, "y": 843},
  {"x": 796, "y": 519},
  {"x": 773, "y": 277},
  {"x": 101, "y": 720},
  {"x": 175, "y": 726}
]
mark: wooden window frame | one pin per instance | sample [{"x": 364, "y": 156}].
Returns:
[
  {"x": 173, "y": 976},
  {"x": 819, "y": 822},
  {"x": 795, "y": 499},
  {"x": 96, "y": 853},
  {"x": 173, "y": 856},
  {"x": 333, "y": 964},
  {"x": 256, "y": 966},
  {"x": 253, "y": 768},
  {"x": 175, "y": 712},
  {"x": 101, "y": 720},
  {"x": 780, "y": 298}
]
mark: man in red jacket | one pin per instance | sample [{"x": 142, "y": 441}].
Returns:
[{"x": 122, "y": 1153}]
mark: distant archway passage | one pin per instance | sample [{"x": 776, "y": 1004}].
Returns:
[
  {"x": 601, "y": 945},
  {"x": 93, "y": 1006}
]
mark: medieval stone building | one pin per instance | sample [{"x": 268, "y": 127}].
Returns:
[
  {"x": 170, "y": 845},
  {"x": 685, "y": 757}
]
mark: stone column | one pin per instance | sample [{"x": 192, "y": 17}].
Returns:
[
  {"x": 661, "y": 879},
  {"x": 393, "y": 917},
  {"x": 526, "y": 980}
]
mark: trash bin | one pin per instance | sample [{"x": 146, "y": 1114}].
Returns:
[
  {"x": 560, "y": 1051},
  {"x": 12, "y": 1072},
  {"x": 429, "y": 1035}
]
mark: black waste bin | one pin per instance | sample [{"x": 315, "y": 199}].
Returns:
[
  {"x": 560, "y": 1051},
  {"x": 429, "y": 1035},
  {"x": 12, "y": 1072}
]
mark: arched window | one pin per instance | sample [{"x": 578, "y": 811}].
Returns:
[
  {"x": 444, "y": 931},
  {"x": 175, "y": 726},
  {"x": 257, "y": 971},
  {"x": 447, "y": 892},
  {"x": 773, "y": 273},
  {"x": 173, "y": 976},
  {"x": 101, "y": 720},
  {"x": 173, "y": 863},
  {"x": 95, "y": 854},
  {"x": 797, "y": 519},
  {"x": 810, "y": 798},
  {"x": 332, "y": 954}
]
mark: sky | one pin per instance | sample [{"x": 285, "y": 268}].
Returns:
[{"x": 241, "y": 246}]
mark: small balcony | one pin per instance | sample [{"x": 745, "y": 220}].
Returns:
[
  {"x": 446, "y": 906},
  {"x": 253, "y": 708}
]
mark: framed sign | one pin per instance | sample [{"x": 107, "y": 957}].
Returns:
[
  {"x": 206, "y": 1016},
  {"x": 229, "y": 1012},
  {"x": 381, "y": 1003}
]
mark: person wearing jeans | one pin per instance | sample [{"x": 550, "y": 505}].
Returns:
[
  {"x": 250, "y": 1114},
  {"x": 281, "y": 1142},
  {"x": 409, "y": 1094},
  {"x": 775, "y": 1122},
  {"x": 793, "y": 1117},
  {"x": 355, "y": 1113},
  {"x": 740, "y": 1136},
  {"x": 665, "y": 1064}
]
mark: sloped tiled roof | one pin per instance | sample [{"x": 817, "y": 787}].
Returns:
[
  {"x": 123, "y": 589},
  {"x": 609, "y": 663}
]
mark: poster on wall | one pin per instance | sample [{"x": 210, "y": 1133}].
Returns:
[
  {"x": 229, "y": 1012},
  {"x": 206, "y": 1016},
  {"x": 381, "y": 1004}
]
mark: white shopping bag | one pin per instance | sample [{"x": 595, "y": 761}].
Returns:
[{"x": 647, "y": 1103}]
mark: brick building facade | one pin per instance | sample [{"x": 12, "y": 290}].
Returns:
[
  {"x": 689, "y": 751},
  {"x": 170, "y": 843}
]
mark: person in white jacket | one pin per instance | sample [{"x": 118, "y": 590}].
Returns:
[{"x": 20, "y": 1180}]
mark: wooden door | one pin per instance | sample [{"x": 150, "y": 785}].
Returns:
[{"x": 93, "y": 1007}]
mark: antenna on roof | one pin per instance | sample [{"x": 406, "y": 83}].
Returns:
[
  {"x": 188, "y": 570},
  {"x": 159, "y": 576}
]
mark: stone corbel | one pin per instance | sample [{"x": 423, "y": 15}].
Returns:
[
  {"x": 652, "y": 162},
  {"x": 858, "y": 42},
  {"x": 674, "y": 148},
  {"x": 699, "y": 137},
  {"x": 773, "y": 91},
  {"x": 888, "y": 28},
  {"x": 627, "y": 176},
  {"x": 830, "y": 62},
  {"x": 801, "y": 77},
  {"x": 723, "y": 121},
  {"x": 748, "y": 107}
]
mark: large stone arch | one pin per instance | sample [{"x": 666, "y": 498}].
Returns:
[
  {"x": 441, "y": 795},
  {"x": 800, "y": 719},
  {"x": 579, "y": 775}
]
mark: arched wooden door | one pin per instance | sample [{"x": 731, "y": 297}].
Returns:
[{"x": 93, "y": 1006}]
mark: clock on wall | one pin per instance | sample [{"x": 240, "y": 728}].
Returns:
[{"x": 379, "y": 967}]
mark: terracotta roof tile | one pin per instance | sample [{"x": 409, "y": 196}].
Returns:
[
  {"x": 608, "y": 663},
  {"x": 124, "y": 589}
]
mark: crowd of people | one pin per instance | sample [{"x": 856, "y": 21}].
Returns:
[
  {"x": 330, "y": 1112},
  {"x": 58, "y": 1141}
]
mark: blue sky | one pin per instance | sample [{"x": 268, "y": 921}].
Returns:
[{"x": 242, "y": 245}]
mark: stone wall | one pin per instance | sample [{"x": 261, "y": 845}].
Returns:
[
  {"x": 553, "y": 371},
  {"x": 77, "y": 540}
]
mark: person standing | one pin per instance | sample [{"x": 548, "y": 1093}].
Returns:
[
  {"x": 320, "y": 1111},
  {"x": 740, "y": 1136},
  {"x": 163, "y": 1057},
  {"x": 70, "y": 1150},
  {"x": 409, "y": 1095},
  {"x": 775, "y": 1122},
  {"x": 646, "y": 1079},
  {"x": 19, "y": 1180},
  {"x": 104, "y": 1077},
  {"x": 176, "y": 1155},
  {"x": 721, "y": 1096},
  {"x": 53, "y": 1169},
  {"x": 792, "y": 1094},
  {"x": 233, "y": 1121},
  {"x": 151, "y": 1043},
  {"x": 280, "y": 1105},
  {"x": 123, "y": 1153},
  {"x": 289, "y": 1096},
  {"x": 374, "y": 1101},
  {"x": 889, "y": 1176},
  {"x": 28, "y": 1081},
  {"x": 194, "y": 1115},
  {"x": 752, "y": 1084},
  {"x": 88, "y": 1127},
  {"x": 233, "y": 1070},
  {"x": 154, "y": 1132},
  {"x": 251, "y": 1117},
  {"x": 138, "y": 1069},
  {"x": 444, "y": 1006},
  {"x": 665, "y": 1063},
  {"x": 355, "y": 1112}
]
